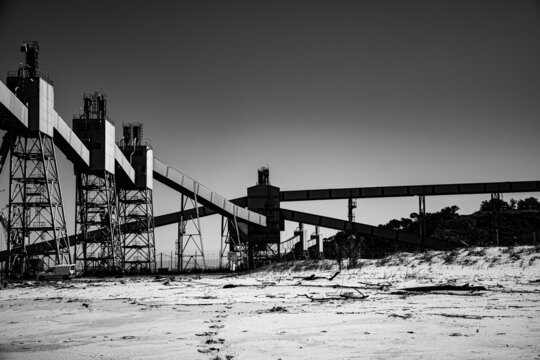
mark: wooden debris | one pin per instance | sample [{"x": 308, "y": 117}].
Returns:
[
  {"x": 406, "y": 316},
  {"x": 321, "y": 299},
  {"x": 313, "y": 277},
  {"x": 309, "y": 278},
  {"x": 344, "y": 296},
  {"x": 445, "y": 287},
  {"x": 472, "y": 317},
  {"x": 334, "y": 276},
  {"x": 377, "y": 286}
]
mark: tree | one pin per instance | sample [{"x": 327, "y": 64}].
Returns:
[
  {"x": 495, "y": 205},
  {"x": 528, "y": 204},
  {"x": 496, "y": 223}
]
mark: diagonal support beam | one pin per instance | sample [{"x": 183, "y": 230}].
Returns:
[{"x": 364, "y": 229}]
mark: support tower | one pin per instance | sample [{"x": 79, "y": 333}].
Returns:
[
  {"x": 264, "y": 243},
  {"x": 36, "y": 212},
  {"x": 136, "y": 203},
  {"x": 96, "y": 196}
]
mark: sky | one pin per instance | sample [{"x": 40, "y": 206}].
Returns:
[{"x": 328, "y": 94}]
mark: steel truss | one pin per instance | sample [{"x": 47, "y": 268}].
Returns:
[
  {"x": 36, "y": 212},
  {"x": 263, "y": 253},
  {"x": 97, "y": 209},
  {"x": 193, "y": 237},
  {"x": 136, "y": 206},
  {"x": 232, "y": 244}
]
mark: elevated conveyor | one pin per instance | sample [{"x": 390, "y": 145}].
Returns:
[
  {"x": 363, "y": 229},
  {"x": 70, "y": 145},
  {"x": 400, "y": 191},
  {"x": 4, "y": 150},
  {"x": 411, "y": 190},
  {"x": 176, "y": 180},
  {"x": 127, "y": 173},
  {"x": 13, "y": 113},
  {"x": 14, "y": 118}
]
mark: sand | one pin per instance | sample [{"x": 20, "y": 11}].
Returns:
[{"x": 267, "y": 315}]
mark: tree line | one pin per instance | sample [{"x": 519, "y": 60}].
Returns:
[{"x": 496, "y": 223}]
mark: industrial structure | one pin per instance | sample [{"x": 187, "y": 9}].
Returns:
[
  {"x": 96, "y": 190},
  {"x": 115, "y": 220},
  {"x": 136, "y": 203}
]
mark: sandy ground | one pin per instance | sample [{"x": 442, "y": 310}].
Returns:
[{"x": 266, "y": 315}]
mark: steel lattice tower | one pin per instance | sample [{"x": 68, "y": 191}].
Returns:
[
  {"x": 99, "y": 242},
  {"x": 136, "y": 203},
  {"x": 136, "y": 206},
  {"x": 98, "y": 245},
  {"x": 192, "y": 236},
  {"x": 36, "y": 212}
]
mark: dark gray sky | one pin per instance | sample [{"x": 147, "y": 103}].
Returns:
[{"x": 328, "y": 93}]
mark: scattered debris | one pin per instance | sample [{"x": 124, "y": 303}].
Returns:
[
  {"x": 275, "y": 309},
  {"x": 309, "y": 278},
  {"x": 473, "y": 317},
  {"x": 445, "y": 287},
  {"x": 377, "y": 286},
  {"x": 334, "y": 276},
  {"x": 207, "y": 333},
  {"x": 215, "y": 341},
  {"x": 207, "y": 350},
  {"x": 314, "y": 277},
  {"x": 343, "y": 296},
  {"x": 406, "y": 316}
]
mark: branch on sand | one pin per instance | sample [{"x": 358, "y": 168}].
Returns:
[
  {"x": 405, "y": 316},
  {"x": 444, "y": 287},
  {"x": 331, "y": 286},
  {"x": 473, "y": 317},
  {"x": 377, "y": 286},
  {"x": 344, "y": 296},
  {"x": 314, "y": 277}
]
